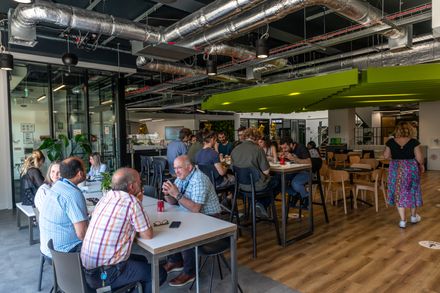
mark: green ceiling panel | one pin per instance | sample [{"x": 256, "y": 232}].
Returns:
[
  {"x": 284, "y": 97},
  {"x": 374, "y": 87}
]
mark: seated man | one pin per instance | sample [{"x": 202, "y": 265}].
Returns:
[
  {"x": 298, "y": 154},
  {"x": 224, "y": 146},
  {"x": 117, "y": 218},
  {"x": 208, "y": 156},
  {"x": 248, "y": 154},
  {"x": 63, "y": 214},
  {"x": 194, "y": 191}
]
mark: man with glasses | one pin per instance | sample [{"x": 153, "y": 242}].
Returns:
[
  {"x": 194, "y": 191},
  {"x": 117, "y": 218}
]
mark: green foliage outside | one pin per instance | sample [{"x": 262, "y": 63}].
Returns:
[
  {"x": 63, "y": 147},
  {"x": 222, "y": 125},
  {"x": 106, "y": 183}
]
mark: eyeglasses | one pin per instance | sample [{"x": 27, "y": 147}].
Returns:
[{"x": 160, "y": 223}]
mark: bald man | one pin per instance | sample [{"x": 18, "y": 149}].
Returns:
[
  {"x": 117, "y": 218},
  {"x": 194, "y": 191}
]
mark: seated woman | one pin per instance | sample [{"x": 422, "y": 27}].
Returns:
[
  {"x": 31, "y": 177},
  {"x": 96, "y": 167},
  {"x": 313, "y": 150},
  {"x": 269, "y": 148},
  {"x": 52, "y": 175}
]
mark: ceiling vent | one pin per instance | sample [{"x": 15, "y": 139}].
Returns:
[{"x": 161, "y": 51}]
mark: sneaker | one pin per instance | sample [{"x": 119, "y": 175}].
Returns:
[
  {"x": 260, "y": 211},
  {"x": 181, "y": 280},
  {"x": 415, "y": 219},
  {"x": 170, "y": 267},
  {"x": 402, "y": 224}
]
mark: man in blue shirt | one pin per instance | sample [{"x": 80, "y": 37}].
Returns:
[
  {"x": 63, "y": 215},
  {"x": 177, "y": 148},
  {"x": 224, "y": 146}
]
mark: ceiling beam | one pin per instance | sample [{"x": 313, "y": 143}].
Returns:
[
  {"x": 283, "y": 36},
  {"x": 138, "y": 19},
  {"x": 317, "y": 15}
]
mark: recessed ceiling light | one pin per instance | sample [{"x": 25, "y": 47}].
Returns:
[
  {"x": 380, "y": 95},
  {"x": 294, "y": 94},
  {"x": 263, "y": 108},
  {"x": 226, "y": 103}
]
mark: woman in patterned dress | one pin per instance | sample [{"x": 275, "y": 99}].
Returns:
[{"x": 404, "y": 172}]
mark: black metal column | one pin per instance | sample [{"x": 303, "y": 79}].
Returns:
[{"x": 120, "y": 124}]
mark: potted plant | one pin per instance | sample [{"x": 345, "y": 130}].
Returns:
[
  {"x": 106, "y": 183},
  {"x": 63, "y": 147}
]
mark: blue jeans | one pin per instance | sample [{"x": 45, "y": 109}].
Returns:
[
  {"x": 188, "y": 257},
  {"x": 135, "y": 269},
  {"x": 298, "y": 183}
]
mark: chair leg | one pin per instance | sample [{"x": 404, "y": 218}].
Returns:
[
  {"x": 345, "y": 201},
  {"x": 212, "y": 273},
  {"x": 40, "y": 278},
  {"x": 219, "y": 266},
  {"x": 275, "y": 221},
  {"x": 376, "y": 200},
  {"x": 324, "y": 206},
  {"x": 200, "y": 270},
  {"x": 355, "y": 197},
  {"x": 222, "y": 257},
  {"x": 254, "y": 230}
]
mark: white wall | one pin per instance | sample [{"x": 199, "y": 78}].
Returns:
[
  {"x": 344, "y": 119},
  {"x": 312, "y": 126},
  {"x": 376, "y": 121},
  {"x": 159, "y": 127},
  {"x": 429, "y": 133},
  {"x": 5, "y": 166}
]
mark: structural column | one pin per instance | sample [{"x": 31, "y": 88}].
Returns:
[
  {"x": 341, "y": 123},
  {"x": 5, "y": 144}
]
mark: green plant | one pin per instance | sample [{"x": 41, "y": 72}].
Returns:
[
  {"x": 106, "y": 183},
  {"x": 63, "y": 147}
]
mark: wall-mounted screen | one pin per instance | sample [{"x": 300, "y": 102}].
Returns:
[{"x": 172, "y": 132}]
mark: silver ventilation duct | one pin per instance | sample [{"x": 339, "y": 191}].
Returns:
[
  {"x": 178, "y": 69},
  {"x": 25, "y": 17},
  {"x": 273, "y": 10},
  {"x": 206, "y": 16},
  {"x": 237, "y": 52}
]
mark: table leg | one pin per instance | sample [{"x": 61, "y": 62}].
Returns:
[
  {"x": 283, "y": 209},
  {"x": 154, "y": 274},
  {"x": 234, "y": 273},
  {"x": 197, "y": 267},
  {"x": 311, "y": 225}
]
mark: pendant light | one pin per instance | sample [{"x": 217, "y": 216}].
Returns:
[
  {"x": 262, "y": 51},
  {"x": 211, "y": 67},
  {"x": 6, "y": 59}
]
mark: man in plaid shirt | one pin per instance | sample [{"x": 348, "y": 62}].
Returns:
[
  {"x": 117, "y": 218},
  {"x": 193, "y": 191}
]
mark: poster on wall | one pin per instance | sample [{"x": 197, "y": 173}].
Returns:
[
  {"x": 28, "y": 138},
  {"x": 27, "y": 127},
  {"x": 76, "y": 132}
]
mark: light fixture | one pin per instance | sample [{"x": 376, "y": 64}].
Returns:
[
  {"x": 380, "y": 95},
  {"x": 157, "y": 120},
  {"x": 146, "y": 119},
  {"x": 262, "y": 51},
  {"x": 107, "y": 102},
  {"x": 211, "y": 67},
  {"x": 200, "y": 111},
  {"x": 263, "y": 108},
  {"x": 294, "y": 94},
  {"x": 69, "y": 59},
  {"x": 6, "y": 59},
  {"x": 226, "y": 103},
  {"x": 24, "y": 1},
  {"x": 58, "y": 88},
  {"x": 41, "y": 98}
]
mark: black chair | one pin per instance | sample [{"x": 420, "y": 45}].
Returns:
[
  {"x": 215, "y": 251},
  {"x": 146, "y": 169},
  {"x": 248, "y": 177},
  {"x": 70, "y": 275},
  {"x": 150, "y": 190},
  {"x": 316, "y": 179}
]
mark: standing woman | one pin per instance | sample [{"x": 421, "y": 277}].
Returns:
[
  {"x": 404, "y": 172},
  {"x": 31, "y": 177},
  {"x": 96, "y": 167},
  {"x": 52, "y": 175}
]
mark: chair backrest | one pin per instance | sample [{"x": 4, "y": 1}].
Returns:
[
  {"x": 372, "y": 162},
  {"x": 246, "y": 176},
  {"x": 146, "y": 162},
  {"x": 208, "y": 170},
  {"x": 68, "y": 270},
  {"x": 341, "y": 157},
  {"x": 316, "y": 164},
  {"x": 354, "y": 159},
  {"x": 376, "y": 175},
  {"x": 339, "y": 176},
  {"x": 330, "y": 156},
  {"x": 361, "y": 166},
  {"x": 150, "y": 190}
]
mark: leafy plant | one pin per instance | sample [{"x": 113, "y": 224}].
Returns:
[
  {"x": 106, "y": 183},
  {"x": 63, "y": 147}
]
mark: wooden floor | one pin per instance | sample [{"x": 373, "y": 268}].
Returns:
[{"x": 362, "y": 251}]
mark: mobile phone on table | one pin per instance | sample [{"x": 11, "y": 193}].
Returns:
[{"x": 175, "y": 224}]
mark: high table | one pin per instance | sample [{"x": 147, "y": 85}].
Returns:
[
  {"x": 288, "y": 169},
  {"x": 196, "y": 229}
]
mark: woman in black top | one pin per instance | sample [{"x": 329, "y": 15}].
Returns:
[
  {"x": 31, "y": 177},
  {"x": 404, "y": 172}
]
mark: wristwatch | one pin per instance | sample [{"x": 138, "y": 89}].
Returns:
[{"x": 179, "y": 196}]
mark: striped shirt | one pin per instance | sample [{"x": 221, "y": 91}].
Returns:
[
  {"x": 198, "y": 188},
  {"x": 63, "y": 206},
  {"x": 116, "y": 219}
]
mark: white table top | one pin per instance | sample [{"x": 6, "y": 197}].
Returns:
[
  {"x": 288, "y": 167},
  {"x": 90, "y": 187},
  {"x": 194, "y": 227}
]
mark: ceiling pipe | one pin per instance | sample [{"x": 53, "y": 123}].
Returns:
[
  {"x": 273, "y": 10},
  {"x": 237, "y": 52}
]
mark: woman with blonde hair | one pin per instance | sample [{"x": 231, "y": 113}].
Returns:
[
  {"x": 96, "y": 167},
  {"x": 406, "y": 164},
  {"x": 31, "y": 177},
  {"x": 52, "y": 175}
]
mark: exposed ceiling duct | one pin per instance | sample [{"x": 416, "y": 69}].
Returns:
[
  {"x": 270, "y": 11},
  {"x": 179, "y": 69}
]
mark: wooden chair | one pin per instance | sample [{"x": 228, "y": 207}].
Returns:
[
  {"x": 354, "y": 159},
  {"x": 361, "y": 175},
  {"x": 339, "y": 181},
  {"x": 369, "y": 185},
  {"x": 340, "y": 159},
  {"x": 372, "y": 162},
  {"x": 384, "y": 185},
  {"x": 330, "y": 157}
]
